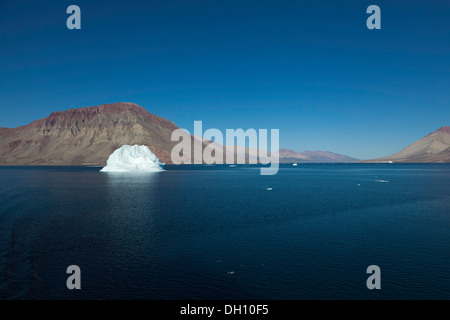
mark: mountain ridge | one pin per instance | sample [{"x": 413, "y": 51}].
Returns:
[
  {"x": 85, "y": 136},
  {"x": 290, "y": 156},
  {"x": 432, "y": 148},
  {"x": 88, "y": 135}
]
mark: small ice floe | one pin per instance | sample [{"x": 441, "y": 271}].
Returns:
[
  {"x": 294, "y": 164},
  {"x": 268, "y": 189},
  {"x": 232, "y": 165},
  {"x": 389, "y": 162},
  {"x": 359, "y": 184},
  {"x": 230, "y": 272},
  {"x": 381, "y": 180}
]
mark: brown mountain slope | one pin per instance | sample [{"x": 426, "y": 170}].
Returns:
[
  {"x": 85, "y": 136},
  {"x": 434, "y": 147}
]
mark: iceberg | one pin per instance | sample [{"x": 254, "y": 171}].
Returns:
[{"x": 133, "y": 159}]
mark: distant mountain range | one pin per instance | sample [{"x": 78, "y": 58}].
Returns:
[
  {"x": 432, "y": 148},
  {"x": 87, "y": 136},
  {"x": 289, "y": 156}
]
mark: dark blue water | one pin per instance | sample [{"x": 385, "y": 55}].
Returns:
[{"x": 217, "y": 233}]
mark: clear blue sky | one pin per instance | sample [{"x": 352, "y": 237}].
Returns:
[{"x": 309, "y": 68}]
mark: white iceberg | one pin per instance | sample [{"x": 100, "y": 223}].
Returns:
[{"x": 133, "y": 159}]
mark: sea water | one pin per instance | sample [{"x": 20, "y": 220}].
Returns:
[{"x": 220, "y": 232}]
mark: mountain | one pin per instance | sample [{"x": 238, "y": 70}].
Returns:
[
  {"x": 289, "y": 156},
  {"x": 434, "y": 147},
  {"x": 326, "y": 156},
  {"x": 286, "y": 154},
  {"x": 85, "y": 136}
]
